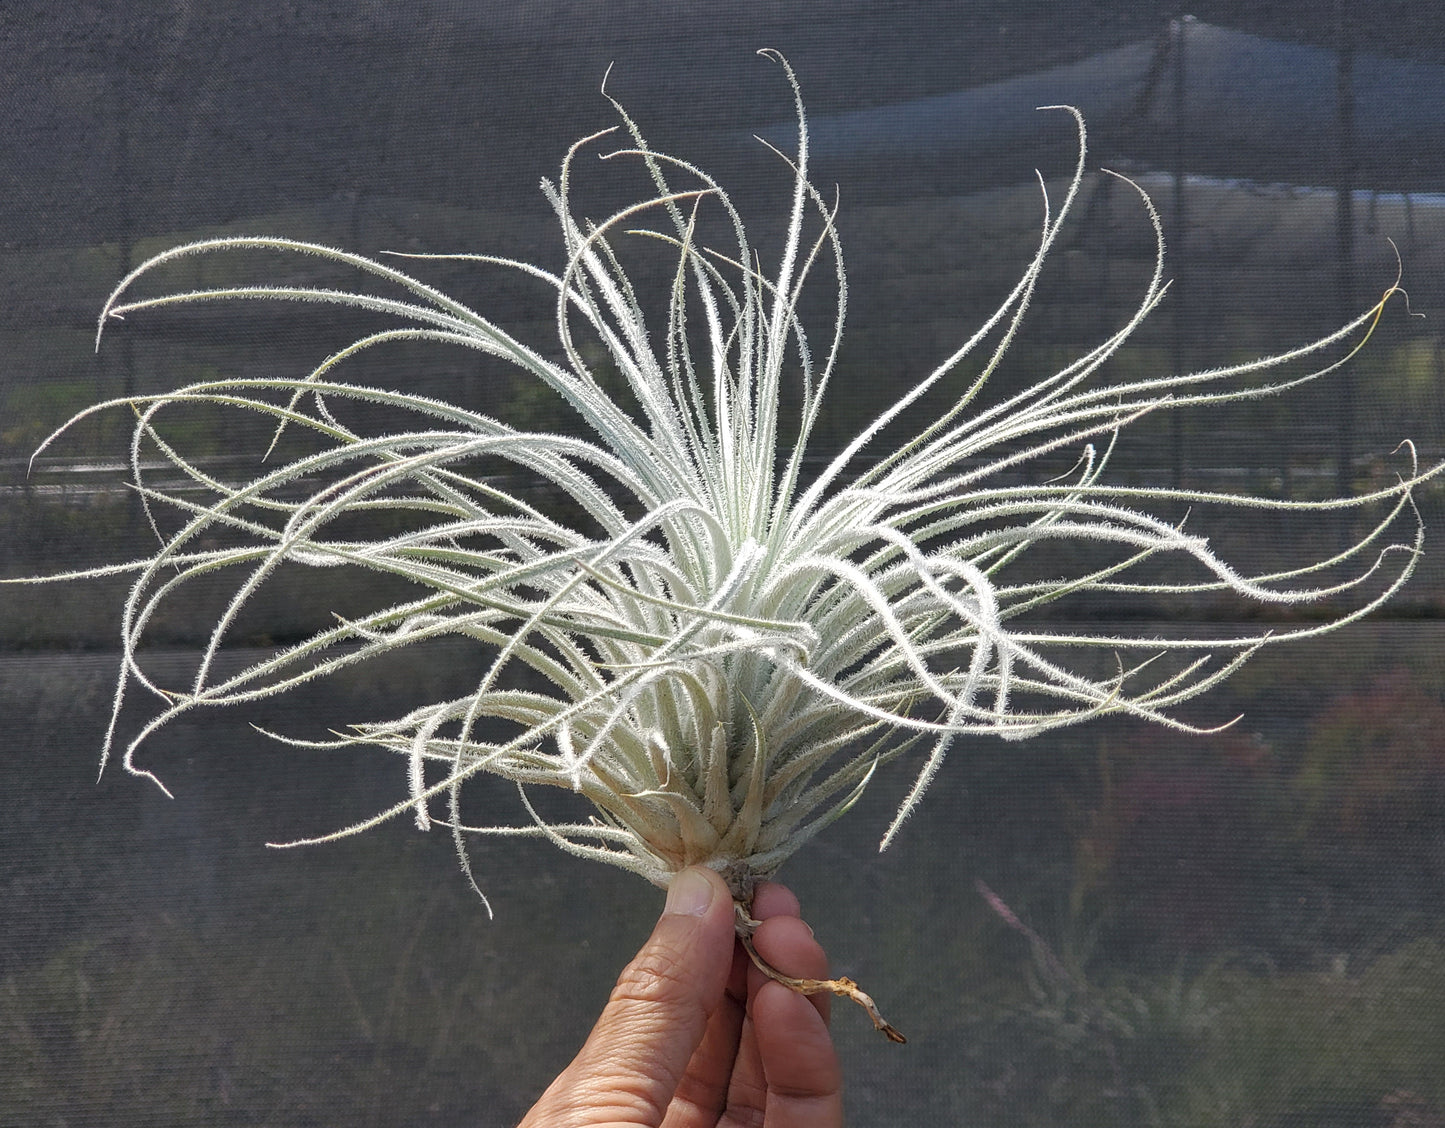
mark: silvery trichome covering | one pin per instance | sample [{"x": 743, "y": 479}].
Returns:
[{"x": 725, "y": 638}]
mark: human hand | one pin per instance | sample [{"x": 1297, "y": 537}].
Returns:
[{"x": 694, "y": 1036}]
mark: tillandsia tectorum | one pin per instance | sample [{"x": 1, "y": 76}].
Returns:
[{"x": 719, "y": 648}]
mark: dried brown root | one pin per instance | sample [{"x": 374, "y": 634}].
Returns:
[{"x": 841, "y": 986}]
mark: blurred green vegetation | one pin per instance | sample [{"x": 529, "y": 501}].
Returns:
[
  {"x": 1181, "y": 933},
  {"x": 377, "y": 1000},
  {"x": 1242, "y": 928}
]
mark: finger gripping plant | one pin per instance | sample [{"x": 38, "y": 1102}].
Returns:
[{"x": 719, "y": 649}]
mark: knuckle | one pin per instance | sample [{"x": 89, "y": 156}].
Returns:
[{"x": 654, "y": 977}]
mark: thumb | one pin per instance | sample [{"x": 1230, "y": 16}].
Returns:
[{"x": 657, "y": 1014}]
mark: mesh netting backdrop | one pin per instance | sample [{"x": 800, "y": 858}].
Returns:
[{"x": 1113, "y": 923}]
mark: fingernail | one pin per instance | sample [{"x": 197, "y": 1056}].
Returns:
[{"x": 690, "y": 893}]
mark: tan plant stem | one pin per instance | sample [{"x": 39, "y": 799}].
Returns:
[{"x": 840, "y": 986}]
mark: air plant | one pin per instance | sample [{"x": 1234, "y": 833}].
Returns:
[{"x": 718, "y": 647}]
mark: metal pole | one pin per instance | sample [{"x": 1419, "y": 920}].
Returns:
[
  {"x": 1179, "y": 245},
  {"x": 1345, "y": 235}
]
